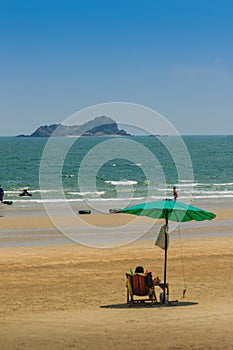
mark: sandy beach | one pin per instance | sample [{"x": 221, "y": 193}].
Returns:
[{"x": 71, "y": 296}]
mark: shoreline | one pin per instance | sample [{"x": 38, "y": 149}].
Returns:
[
  {"x": 103, "y": 230},
  {"x": 28, "y": 217}
]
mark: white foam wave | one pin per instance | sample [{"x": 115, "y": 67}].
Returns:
[
  {"x": 69, "y": 175},
  {"x": 147, "y": 182},
  {"x": 186, "y": 181},
  {"x": 121, "y": 183},
  {"x": 224, "y": 184},
  {"x": 87, "y": 193},
  {"x": 202, "y": 192},
  {"x": 117, "y": 199},
  {"x": 206, "y": 185},
  {"x": 13, "y": 192},
  {"x": 189, "y": 184},
  {"x": 214, "y": 196}
]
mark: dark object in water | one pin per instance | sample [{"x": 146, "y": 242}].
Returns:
[
  {"x": 7, "y": 202},
  {"x": 25, "y": 193},
  {"x": 114, "y": 210},
  {"x": 84, "y": 211}
]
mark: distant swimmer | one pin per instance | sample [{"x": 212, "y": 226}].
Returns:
[
  {"x": 25, "y": 193},
  {"x": 1, "y": 193},
  {"x": 175, "y": 193}
]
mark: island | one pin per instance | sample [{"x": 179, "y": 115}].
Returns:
[{"x": 100, "y": 126}]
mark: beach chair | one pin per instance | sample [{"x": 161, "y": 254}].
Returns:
[{"x": 140, "y": 286}]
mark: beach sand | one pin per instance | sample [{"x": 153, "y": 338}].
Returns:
[{"x": 71, "y": 296}]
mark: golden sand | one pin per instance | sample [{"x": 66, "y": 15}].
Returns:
[{"x": 74, "y": 297}]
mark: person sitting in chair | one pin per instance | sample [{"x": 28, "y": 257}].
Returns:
[
  {"x": 140, "y": 284},
  {"x": 139, "y": 269},
  {"x": 148, "y": 275}
]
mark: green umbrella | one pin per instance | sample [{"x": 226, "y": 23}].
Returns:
[{"x": 169, "y": 210}]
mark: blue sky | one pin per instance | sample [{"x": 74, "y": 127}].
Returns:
[{"x": 175, "y": 56}]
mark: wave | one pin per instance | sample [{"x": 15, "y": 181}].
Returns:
[
  {"x": 121, "y": 183},
  {"x": 224, "y": 184},
  {"x": 87, "y": 193},
  {"x": 51, "y": 200},
  {"x": 210, "y": 192},
  {"x": 185, "y": 180},
  {"x": 117, "y": 199},
  {"x": 213, "y": 196},
  {"x": 202, "y": 184},
  {"x": 133, "y": 164},
  {"x": 73, "y": 200},
  {"x": 123, "y": 190},
  {"x": 68, "y": 175},
  {"x": 15, "y": 192}
]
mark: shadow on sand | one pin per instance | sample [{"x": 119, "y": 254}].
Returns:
[{"x": 150, "y": 306}]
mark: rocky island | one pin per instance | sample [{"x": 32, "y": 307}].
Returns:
[{"x": 100, "y": 126}]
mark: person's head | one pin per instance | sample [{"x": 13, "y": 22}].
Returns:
[{"x": 139, "y": 269}]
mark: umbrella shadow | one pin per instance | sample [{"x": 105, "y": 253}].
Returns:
[{"x": 174, "y": 303}]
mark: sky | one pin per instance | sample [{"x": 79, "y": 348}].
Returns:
[{"x": 60, "y": 56}]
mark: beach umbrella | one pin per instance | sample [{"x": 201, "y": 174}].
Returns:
[{"x": 168, "y": 209}]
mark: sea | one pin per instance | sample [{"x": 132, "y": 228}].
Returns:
[{"x": 116, "y": 171}]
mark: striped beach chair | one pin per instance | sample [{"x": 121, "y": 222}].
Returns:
[{"x": 139, "y": 289}]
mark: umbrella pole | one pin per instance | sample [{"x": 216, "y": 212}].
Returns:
[{"x": 165, "y": 258}]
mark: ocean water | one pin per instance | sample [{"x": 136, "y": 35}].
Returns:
[{"x": 114, "y": 170}]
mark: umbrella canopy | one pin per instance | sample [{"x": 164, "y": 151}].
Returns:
[{"x": 170, "y": 210}]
